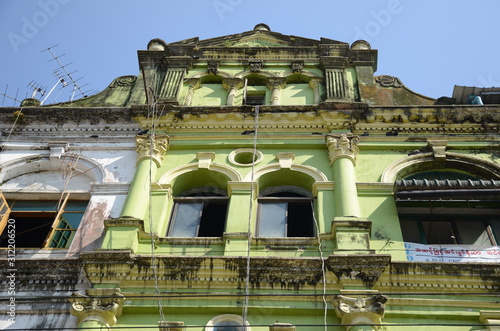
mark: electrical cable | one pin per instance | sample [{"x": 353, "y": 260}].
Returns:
[
  {"x": 325, "y": 315},
  {"x": 249, "y": 225},
  {"x": 152, "y": 114}
]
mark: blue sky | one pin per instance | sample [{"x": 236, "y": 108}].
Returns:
[{"x": 430, "y": 45}]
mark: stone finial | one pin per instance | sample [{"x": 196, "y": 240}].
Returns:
[
  {"x": 360, "y": 310},
  {"x": 101, "y": 305},
  {"x": 342, "y": 145},
  {"x": 152, "y": 146}
]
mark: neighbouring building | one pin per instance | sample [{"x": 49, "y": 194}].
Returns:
[{"x": 255, "y": 181}]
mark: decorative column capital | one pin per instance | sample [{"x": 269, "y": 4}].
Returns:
[
  {"x": 152, "y": 146},
  {"x": 342, "y": 145},
  {"x": 229, "y": 83},
  {"x": 101, "y": 305},
  {"x": 315, "y": 82},
  {"x": 276, "y": 82},
  {"x": 360, "y": 310}
]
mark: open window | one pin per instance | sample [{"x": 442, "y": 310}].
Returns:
[
  {"x": 199, "y": 213},
  {"x": 41, "y": 223},
  {"x": 285, "y": 212},
  {"x": 439, "y": 208}
]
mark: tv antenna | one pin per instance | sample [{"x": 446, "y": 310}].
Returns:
[
  {"x": 5, "y": 95},
  {"x": 66, "y": 77},
  {"x": 37, "y": 88}
]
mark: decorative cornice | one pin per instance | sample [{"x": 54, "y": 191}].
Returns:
[{"x": 342, "y": 145}]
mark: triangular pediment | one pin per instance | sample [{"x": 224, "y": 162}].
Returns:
[
  {"x": 258, "y": 37},
  {"x": 259, "y": 40}
]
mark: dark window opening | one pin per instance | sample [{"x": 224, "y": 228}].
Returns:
[
  {"x": 42, "y": 224},
  {"x": 450, "y": 229},
  {"x": 285, "y": 214},
  {"x": 448, "y": 208},
  {"x": 198, "y": 217},
  {"x": 255, "y": 99}
]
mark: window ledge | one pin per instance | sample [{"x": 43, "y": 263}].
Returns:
[
  {"x": 289, "y": 241},
  {"x": 191, "y": 241}
]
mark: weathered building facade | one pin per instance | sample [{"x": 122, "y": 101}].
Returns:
[{"x": 255, "y": 181}]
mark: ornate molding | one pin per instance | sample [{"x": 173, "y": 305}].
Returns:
[
  {"x": 213, "y": 67},
  {"x": 297, "y": 66},
  {"x": 360, "y": 310},
  {"x": 152, "y": 146},
  {"x": 123, "y": 81},
  {"x": 102, "y": 305},
  {"x": 255, "y": 66},
  {"x": 342, "y": 145},
  {"x": 388, "y": 81}
]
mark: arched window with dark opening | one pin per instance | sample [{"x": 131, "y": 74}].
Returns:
[
  {"x": 285, "y": 211},
  {"x": 199, "y": 212}
]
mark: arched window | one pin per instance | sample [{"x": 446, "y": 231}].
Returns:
[
  {"x": 448, "y": 207},
  {"x": 199, "y": 212},
  {"x": 285, "y": 211}
]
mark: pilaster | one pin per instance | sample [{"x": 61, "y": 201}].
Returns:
[
  {"x": 232, "y": 85},
  {"x": 194, "y": 83},
  {"x": 343, "y": 150},
  {"x": 149, "y": 148},
  {"x": 276, "y": 84}
]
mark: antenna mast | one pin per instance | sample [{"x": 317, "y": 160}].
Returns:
[{"x": 68, "y": 74}]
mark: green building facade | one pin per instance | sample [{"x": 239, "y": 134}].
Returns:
[{"x": 280, "y": 185}]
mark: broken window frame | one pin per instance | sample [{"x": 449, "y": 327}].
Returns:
[{"x": 60, "y": 233}]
